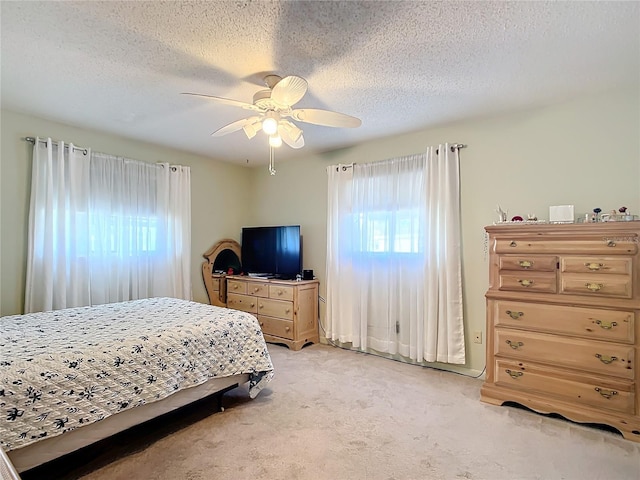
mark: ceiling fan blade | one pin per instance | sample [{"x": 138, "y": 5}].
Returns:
[
  {"x": 290, "y": 134},
  {"x": 298, "y": 143},
  {"x": 234, "y": 127},
  {"x": 289, "y": 90},
  {"x": 227, "y": 101},
  {"x": 326, "y": 118}
]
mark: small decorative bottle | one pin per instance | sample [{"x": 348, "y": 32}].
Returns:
[{"x": 596, "y": 217}]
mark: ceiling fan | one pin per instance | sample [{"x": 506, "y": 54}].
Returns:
[{"x": 273, "y": 107}]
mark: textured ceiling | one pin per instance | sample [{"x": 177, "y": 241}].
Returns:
[{"x": 119, "y": 67}]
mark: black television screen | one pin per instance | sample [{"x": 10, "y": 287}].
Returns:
[{"x": 272, "y": 251}]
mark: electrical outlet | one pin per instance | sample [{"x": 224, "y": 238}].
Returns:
[{"x": 477, "y": 337}]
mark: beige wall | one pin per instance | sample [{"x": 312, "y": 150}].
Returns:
[
  {"x": 213, "y": 183},
  {"x": 584, "y": 152}
]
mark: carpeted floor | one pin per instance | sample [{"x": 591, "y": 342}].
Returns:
[{"x": 335, "y": 414}]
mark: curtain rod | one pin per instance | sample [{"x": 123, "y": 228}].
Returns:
[
  {"x": 453, "y": 146},
  {"x": 55, "y": 142},
  {"x": 173, "y": 168}
]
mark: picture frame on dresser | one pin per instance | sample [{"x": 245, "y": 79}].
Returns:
[{"x": 562, "y": 310}]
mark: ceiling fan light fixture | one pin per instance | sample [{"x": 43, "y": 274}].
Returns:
[
  {"x": 292, "y": 132},
  {"x": 275, "y": 141},
  {"x": 270, "y": 122},
  {"x": 251, "y": 129}
]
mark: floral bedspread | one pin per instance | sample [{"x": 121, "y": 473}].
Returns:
[{"x": 63, "y": 369}]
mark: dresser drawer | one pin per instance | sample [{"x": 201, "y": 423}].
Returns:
[
  {"x": 616, "y": 395},
  {"x": 528, "y": 281},
  {"x": 599, "y": 245},
  {"x": 608, "y": 325},
  {"x": 215, "y": 284},
  {"x": 236, "y": 286},
  {"x": 621, "y": 266},
  {"x": 542, "y": 263},
  {"x": 588, "y": 355},
  {"x": 246, "y": 303},
  {"x": 597, "y": 285},
  {"x": 276, "y": 326},
  {"x": 275, "y": 308},
  {"x": 281, "y": 292},
  {"x": 258, "y": 289}
]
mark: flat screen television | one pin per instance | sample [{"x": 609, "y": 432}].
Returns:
[{"x": 272, "y": 252}]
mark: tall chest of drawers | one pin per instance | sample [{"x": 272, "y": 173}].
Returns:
[
  {"x": 286, "y": 310},
  {"x": 562, "y": 310}
]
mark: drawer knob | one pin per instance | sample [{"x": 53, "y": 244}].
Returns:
[
  {"x": 611, "y": 243},
  {"x": 261, "y": 306},
  {"x": 252, "y": 304},
  {"x": 235, "y": 287},
  {"x": 594, "y": 287},
  {"x": 262, "y": 324},
  {"x": 256, "y": 289},
  {"x": 594, "y": 266},
  {"x": 515, "y": 345},
  {"x": 280, "y": 292},
  {"x": 606, "y": 325},
  {"x": 606, "y": 358},
  {"x": 526, "y": 263},
  {"x": 606, "y": 393},
  {"x": 287, "y": 310},
  {"x": 513, "y": 244},
  {"x": 286, "y": 329},
  {"x": 515, "y": 315},
  {"x": 513, "y": 374},
  {"x": 525, "y": 283}
]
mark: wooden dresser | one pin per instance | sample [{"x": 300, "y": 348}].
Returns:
[
  {"x": 562, "y": 308},
  {"x": 287, "y": 310}
]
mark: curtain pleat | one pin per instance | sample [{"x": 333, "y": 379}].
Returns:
[{"x": 59, "y": 186}]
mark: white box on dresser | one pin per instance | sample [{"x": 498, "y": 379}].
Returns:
[{"x": 562, "y": 310}]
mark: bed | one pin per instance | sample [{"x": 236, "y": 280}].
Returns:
[{"x": 69, "y": 378}]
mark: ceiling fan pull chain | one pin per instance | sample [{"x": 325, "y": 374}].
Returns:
[{"x": 272, "y": 169}]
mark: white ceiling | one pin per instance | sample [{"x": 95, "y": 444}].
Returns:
[{"x": 119, "y": 66}]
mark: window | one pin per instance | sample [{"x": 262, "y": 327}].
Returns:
[
  {"x": 105, "y": 229},
  {"x": 393, "y": 257},
  {"x": 109, "y": 234},
  {"x": 389, "y": 231}
]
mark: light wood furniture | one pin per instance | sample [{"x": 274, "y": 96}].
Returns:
[
  {"x": 228, "y": 251},
  {"x": 562, "y": 307},
  {"x": 287, "y": 310}
]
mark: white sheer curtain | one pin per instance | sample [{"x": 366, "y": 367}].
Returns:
[
  {"x": 175, "y": 190},
  {"x": 105, "y": 229},
  {"x": 393, "y": 256}
]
